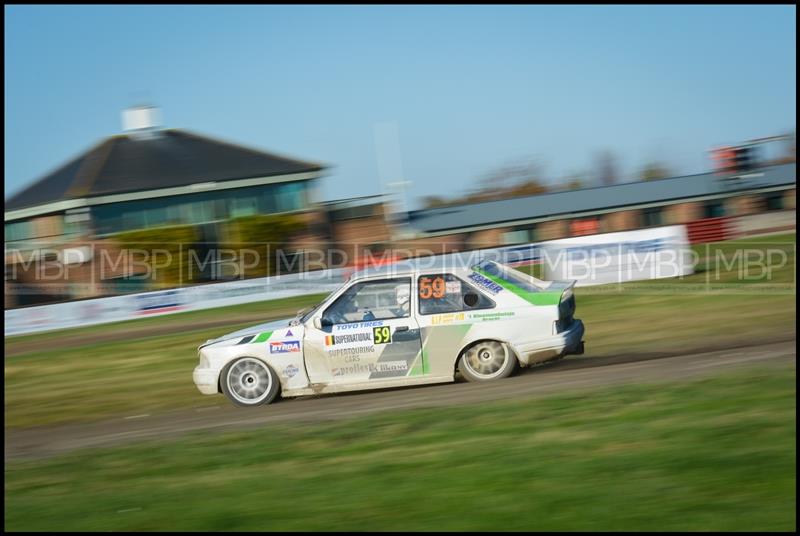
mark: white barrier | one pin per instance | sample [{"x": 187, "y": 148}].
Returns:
[
  {"x": 619, "y": 257},
  {"x": 161, "y": 302},
  {"x": 622, "y": 253}
]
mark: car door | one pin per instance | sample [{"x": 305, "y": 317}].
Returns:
[{"x": 368, "y": 334}]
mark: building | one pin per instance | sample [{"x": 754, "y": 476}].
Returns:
[
  {"x": 359, "y": 220},
  {"x": 148, "y": 177},
  {"x": 620, "y": 207},
  {"x": 185, "y": 188}
]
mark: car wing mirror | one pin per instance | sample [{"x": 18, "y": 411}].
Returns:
[{"x": 321, "y": 322}]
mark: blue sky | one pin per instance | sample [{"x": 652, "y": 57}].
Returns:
[{"x": 462, "y": 89}]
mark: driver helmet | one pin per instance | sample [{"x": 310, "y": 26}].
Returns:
[{"x": 403, "y": 294}]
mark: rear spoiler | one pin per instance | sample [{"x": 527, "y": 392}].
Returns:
[{"x": 566, "y": 286}]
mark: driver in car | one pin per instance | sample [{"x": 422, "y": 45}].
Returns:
[{"x": 402, "y": 306}]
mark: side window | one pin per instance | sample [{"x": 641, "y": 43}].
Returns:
[
  {"x": 446, "y": 293},
  {"x": 371, "y": 300}
]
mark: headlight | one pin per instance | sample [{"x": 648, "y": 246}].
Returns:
[{"x": 204, "y": 361}]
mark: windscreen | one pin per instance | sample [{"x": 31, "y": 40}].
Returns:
[{"x": 308, "y": 314}]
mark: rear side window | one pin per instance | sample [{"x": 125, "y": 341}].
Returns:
[{"x": 446, "y": 293}]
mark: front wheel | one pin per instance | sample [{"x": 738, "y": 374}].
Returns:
[
  {"x": 248, "y": 381},
  {"x": 487, "y": 360}
]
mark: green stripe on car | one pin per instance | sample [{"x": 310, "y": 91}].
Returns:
[
  {"x": 536, "y": 298},
  {"x": 416, "y": 369},
  {"x": 262, "y": 337}
]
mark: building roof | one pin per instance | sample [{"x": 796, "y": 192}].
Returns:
[
  {"x": 164, "y": 159},
  {"x": 354, "y": 207},
  {"x": 350, "y": 202},
  {"x": 488, "y": 213}
]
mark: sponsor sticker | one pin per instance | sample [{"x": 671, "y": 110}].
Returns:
[
  {"x": 453, "y": 287},
  {"x": 447, "y": 318},
  {"x": 338, "y": 352},
  {"x": 158, "y": 302},
  {"x": 358, "y": 368},
  {"x": 284, "y": 347},
  {"x": 291, "y": 371},
  {"x": 491, "y": 316},
  {"x": 485, "y": 282},
  {"x": 357, "y": 325},
  {"x": 346, "y": 338}
]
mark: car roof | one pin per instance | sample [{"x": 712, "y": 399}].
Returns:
[{"x": 455, "y": 262}]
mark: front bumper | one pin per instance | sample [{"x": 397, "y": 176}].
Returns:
[
  {"x": 206, "y": 380},
  {"x": 566, "y": 342}
]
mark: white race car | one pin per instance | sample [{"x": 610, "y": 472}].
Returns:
[{"x": 401, "y": 324}]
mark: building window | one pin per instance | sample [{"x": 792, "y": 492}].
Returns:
[
  {"x": 20, "y": 230},
  {"x": 520, "y": 235},
  {"x": 653, "y": 216},
  {"x": 352, "y": 213},
  {"x": 243, "y": 206},
  {"x": 588, "y": 226},
  {"x": 290, "y": 197},
  {"x": 714, "y": 209},
  {"x": 76, "y": 222},
  {"x": 774, "y": 201},
  {"x": 132, "y": 220},
  {"x": 515, "y": 237},
  {"x": 199, "y": 208}
]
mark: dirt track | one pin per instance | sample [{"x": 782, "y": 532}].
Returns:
[{"x": 572, "y": 374}]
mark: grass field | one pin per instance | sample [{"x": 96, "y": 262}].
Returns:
[
  {"x": 137, "y": 372},
  {"x": 711, "y": 455}
]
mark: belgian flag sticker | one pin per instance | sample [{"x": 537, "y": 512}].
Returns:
[{"x": 329, "y": 340}]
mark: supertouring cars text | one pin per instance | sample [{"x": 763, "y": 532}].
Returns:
[{"x": 398, "y": 325}]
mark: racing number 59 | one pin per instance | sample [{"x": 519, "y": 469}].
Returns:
[
  {"x": 382, "y": 334},
  {"x": 431, "y": 288}
]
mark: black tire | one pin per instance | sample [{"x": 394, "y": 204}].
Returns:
[
  {"x": 249, "y": 382},
  {"x": 487, "y": 361}
]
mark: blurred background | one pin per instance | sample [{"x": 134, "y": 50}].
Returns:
[
  {"x": 360, "y": 130},
  {"x": 233, "y": 164}
]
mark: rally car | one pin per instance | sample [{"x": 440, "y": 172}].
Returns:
[{"x": 397, "y": 325}]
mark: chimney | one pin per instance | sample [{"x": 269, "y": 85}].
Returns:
[{"x": 141, "y": 121}]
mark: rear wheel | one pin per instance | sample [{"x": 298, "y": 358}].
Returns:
[
  {"x": 487, "y": 360},
  {"x": 248, "y": 381}
]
